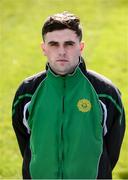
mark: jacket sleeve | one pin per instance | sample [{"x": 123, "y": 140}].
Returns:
[
  {"x": 22, "y": 134},
  {"x": 115, "y": 127}
]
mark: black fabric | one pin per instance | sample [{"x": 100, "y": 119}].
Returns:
[{"x": 26, "y": 162}]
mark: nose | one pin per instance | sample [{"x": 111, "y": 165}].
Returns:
[{"x": 61, "y": 51}]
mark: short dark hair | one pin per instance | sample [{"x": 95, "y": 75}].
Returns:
[{"x": 60, "y": 21}]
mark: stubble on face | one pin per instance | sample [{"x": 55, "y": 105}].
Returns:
[{"x": 62, "y": 48}]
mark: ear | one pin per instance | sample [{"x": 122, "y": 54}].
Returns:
[
  {"x": 43, "y": 48},
  {"x": 82, "y": 45}
]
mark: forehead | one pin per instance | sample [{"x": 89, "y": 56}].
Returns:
[{"x": 61, "y": 36}]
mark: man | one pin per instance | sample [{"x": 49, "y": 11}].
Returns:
[{"x": 69, "y": 121}]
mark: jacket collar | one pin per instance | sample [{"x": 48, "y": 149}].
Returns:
[
  {"x": 69, "y": 80},
  {"x": 81, "y": 65}
]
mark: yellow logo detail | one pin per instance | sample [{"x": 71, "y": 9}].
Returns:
[{"x": 84, "y": 105}]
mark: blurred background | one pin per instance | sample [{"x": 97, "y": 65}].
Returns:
[{"x": 105, "y": 31}]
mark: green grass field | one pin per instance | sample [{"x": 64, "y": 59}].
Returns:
[{"x": 106, "y": 37}]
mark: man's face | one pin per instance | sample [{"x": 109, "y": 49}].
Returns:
[{"x": 62, "y": 48}]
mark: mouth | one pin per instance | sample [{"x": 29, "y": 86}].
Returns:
[{"x": 62, "y": 60}]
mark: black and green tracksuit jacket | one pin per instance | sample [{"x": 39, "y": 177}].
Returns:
[{"x": 68, "y": 127}]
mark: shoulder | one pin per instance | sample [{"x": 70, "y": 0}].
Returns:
[
  {"x": 35, "y": 79},
  {"x": 101, "y": 83},
  {"x": 105, "y": 88},
  {"x": 26, "y": 89},
  {"x": 31, "y": 83},
  {"x": 98, "y": 76},
  {"x": 107, "y": 92}
]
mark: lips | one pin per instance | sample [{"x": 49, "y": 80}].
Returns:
[{"x": 62, "y": 60}]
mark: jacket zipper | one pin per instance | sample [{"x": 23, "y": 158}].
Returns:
[{"x": 62, "y": 138}]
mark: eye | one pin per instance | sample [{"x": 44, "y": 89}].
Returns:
[
  {"x": 52, "y": 43},
  {"x": 69, "y": 43}
]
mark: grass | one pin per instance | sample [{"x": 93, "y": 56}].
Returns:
[{"x": 105, "y": 33}]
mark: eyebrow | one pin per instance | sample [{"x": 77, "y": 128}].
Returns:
[
  {"x": 52, "y": 42},
  {"x": 56, "y": 43}
]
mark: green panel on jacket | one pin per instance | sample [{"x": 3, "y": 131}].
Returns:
[{"x": 66, "y": 132}]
